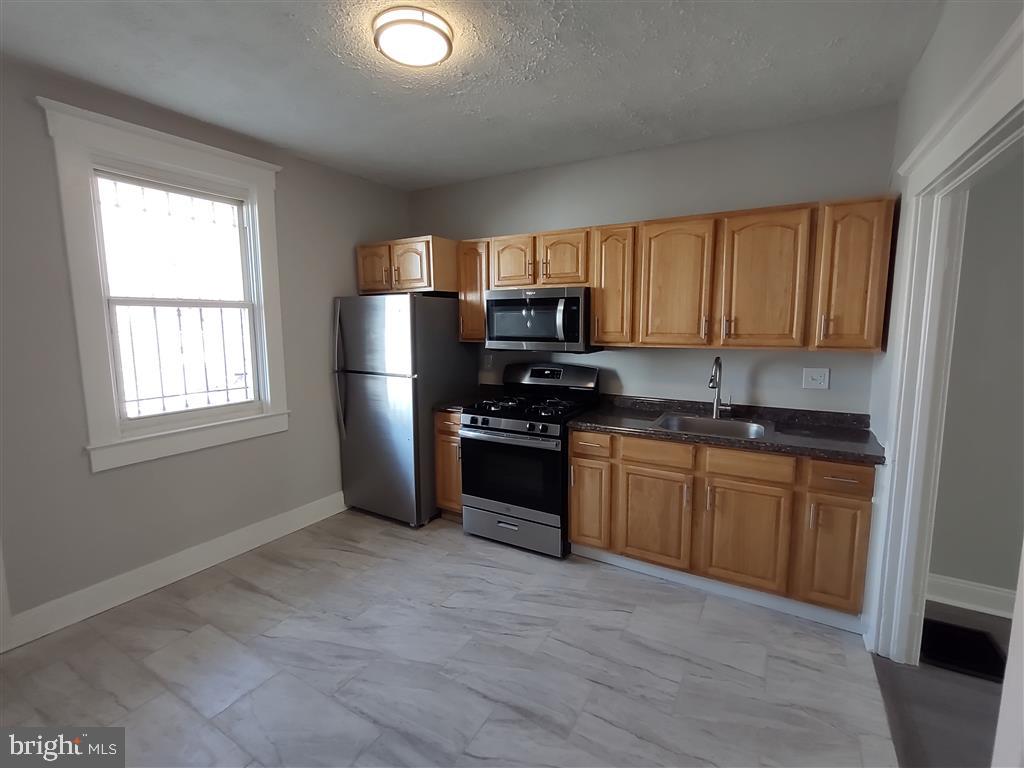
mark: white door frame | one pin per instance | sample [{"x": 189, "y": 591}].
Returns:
[{"x": 986, "y": 121}]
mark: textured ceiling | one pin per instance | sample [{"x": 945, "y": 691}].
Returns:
[{"x": 529, "y": 83}]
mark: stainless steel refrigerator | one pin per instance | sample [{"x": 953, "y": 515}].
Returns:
[{"x": 395, "y": 357}]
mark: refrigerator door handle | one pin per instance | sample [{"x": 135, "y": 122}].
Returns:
[
  {"x": 339, "y": 352},
  {"x": 339, "y": 400}
]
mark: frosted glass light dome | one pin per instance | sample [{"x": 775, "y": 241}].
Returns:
[{"x": 412, "y": 36}]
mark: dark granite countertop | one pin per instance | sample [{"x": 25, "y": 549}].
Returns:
[{"x": 816, "y": 434}]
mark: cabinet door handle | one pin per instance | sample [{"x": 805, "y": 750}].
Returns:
[
  {"x": 841, "y": 479},
  {"x": 461, "y": 326},
  {"x": 458, "y": 453},
  {"x": 707, "y": 498},
  {"x": 812, "y": 519},
  {"x": 572, "y": 475},
  {"x": 704, "y": 327},
  {"x": 396, "y": 273},
  {"x": 823, "y": 326},
  {"x": 726, "y": 327},
  {"x": 686, "y": 497},
  {"x": 545, "y": 268},
  {"x": 529, "y": 269},
  {"x": 384, "y": 275}
]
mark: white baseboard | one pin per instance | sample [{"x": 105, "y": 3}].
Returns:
[
  {"x": 971, "y": 595},
  {"x": 63, "y": 611},
  {"x": 782, "y": 604}
]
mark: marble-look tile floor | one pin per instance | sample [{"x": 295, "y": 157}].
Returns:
[{"x": 358, "y": 641}]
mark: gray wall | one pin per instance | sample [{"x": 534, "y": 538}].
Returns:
[
  {"x": 64, "y": 528},
  {"x": 838, "y": 157},
  {"x": 979, "y": 518}
]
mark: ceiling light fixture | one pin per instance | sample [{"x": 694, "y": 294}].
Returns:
[{"x": 412, "y": 36}]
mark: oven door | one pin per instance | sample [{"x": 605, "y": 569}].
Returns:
[
  {"x": 516, "y": 475},
  {"x": 547, "y": 319}
]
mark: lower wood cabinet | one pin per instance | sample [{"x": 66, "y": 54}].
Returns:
[
  {"x": 790, "y": 526},
  {"x": 653, "y": 515},
  {"x": 832, "y": 542},
  {"x": 745, "y": 533},
  {"x": 447, "y": 463},
  {"x": 590, "y": 502}
]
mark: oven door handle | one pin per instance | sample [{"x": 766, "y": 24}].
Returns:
[
  {"x": 545, "y": 443},
  {"x": 560, "y": 320}
]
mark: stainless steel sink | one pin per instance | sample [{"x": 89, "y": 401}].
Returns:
[{"x": 703, "y": 425}]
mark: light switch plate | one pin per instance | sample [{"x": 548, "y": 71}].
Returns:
[{"x": 816, "y": 378}]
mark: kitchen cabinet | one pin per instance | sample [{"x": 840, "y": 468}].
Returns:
[
  {"x": 851, "y": 274},
  {"x": 831, "y": 557},
  {"x": 788, "y": 525},
  {"x": 611, "y": 299},
  {"x": 472, "y": 257},
  {"x": 373, "y": 268},
  {"x": 512, "y": 261},
  {"x": 563, "y": 257},
  {"x": 745, "y": 533},
  {"x": 411, "y": 264},
  {"x": 676, "y": 261},
  {"x": 447, "y": 464},
  {"x": 764, "y": 276},
  {"x": 590, "y": 502},
  {"x": 653, "y": 515}
]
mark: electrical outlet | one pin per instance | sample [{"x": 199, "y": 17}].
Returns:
[
  {"x": 816, "y": 378},
  {"x": 488, "y": 361}
]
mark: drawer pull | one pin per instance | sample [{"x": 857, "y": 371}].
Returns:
[
  {"x": 590, "y": 445},
  {"x": 503, "y": 524},
  {"x": 842, "y": 479}
]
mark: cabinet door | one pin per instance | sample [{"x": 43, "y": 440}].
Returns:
[
  {"x": 411, "y": 265},
  {"x": 853, "y": 271},
  {"x": 373, "y": 267},
  {"x": 745, "y": 533},
  {"x": 612, "y": 295},
  {"x": 833, "y": 551},
  {"x": 512, "y": 261},
  {"x": 675, "y": 281},
  {"x": 653, "y": 516},
  {"x": 448, "y": 472},
  {"x": 563, "y": 257},
  {"x": 472, "y": 262},
  {"x": 590, "y": 502},
  {"x": 764, "y": 278}
]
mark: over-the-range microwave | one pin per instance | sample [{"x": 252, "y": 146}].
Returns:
[{"x": 541, "y": 319}]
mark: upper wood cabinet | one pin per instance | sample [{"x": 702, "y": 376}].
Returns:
[
  {"x": 611, "y": 298},
  {"x": 653, "y": 515},
  {"x": 563, "y": 257},
  {"x": 472, "y": 257},
  {"x": 676, "y": 259},
  {"x": 851, "y": 274},
  {"x": 373, "y": 267},
  {"x": 512, "y": 261},
  {"x": 411, "y": 264},
  {"x": 765, "y": 261},
  {"x": 831, "y": 558},
  {"x": 745, "y": 533},
  {"x": 590, "y": 502}
]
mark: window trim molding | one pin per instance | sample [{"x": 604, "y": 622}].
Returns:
[{"x": 85, "y": 140}]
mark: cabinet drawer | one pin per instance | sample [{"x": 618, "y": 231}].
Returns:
[
  {"x": 591, "y": 444},
  {"x": 447, "y": 422},
  {"x": 748, "y": 464},
  {"x": 848, "y": 479},
  {"x": 659, "y": 452}
]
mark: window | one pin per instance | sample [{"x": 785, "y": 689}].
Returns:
[{"x": 174, "y": 278}]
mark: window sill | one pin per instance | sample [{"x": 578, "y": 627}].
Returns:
[{"x": 135, "y": 449}]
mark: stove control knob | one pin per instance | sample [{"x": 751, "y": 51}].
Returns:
[
  {"x": 484, "y": 421},
  {"x": 531, "y": 427},
  {"x": 543, "y": 428},
  {"x": 473, "y": 420}
]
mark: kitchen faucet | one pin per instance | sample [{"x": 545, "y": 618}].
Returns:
[{"x": 715, "y": 383}]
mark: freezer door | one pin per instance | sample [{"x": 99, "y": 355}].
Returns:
[
  {"x": 378, "y": 447},
  {"x": 374, "y": 334}
]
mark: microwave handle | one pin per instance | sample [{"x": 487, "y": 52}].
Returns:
[{"x": 560, "y": 320}]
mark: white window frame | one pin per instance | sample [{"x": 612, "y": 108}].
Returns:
[{"x": 86, "y": 143}]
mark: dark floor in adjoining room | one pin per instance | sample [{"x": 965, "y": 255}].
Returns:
[{"x": 943, "y": 719}]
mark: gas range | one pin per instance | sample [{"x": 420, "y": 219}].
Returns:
[{"x": 515, "y": 467}]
